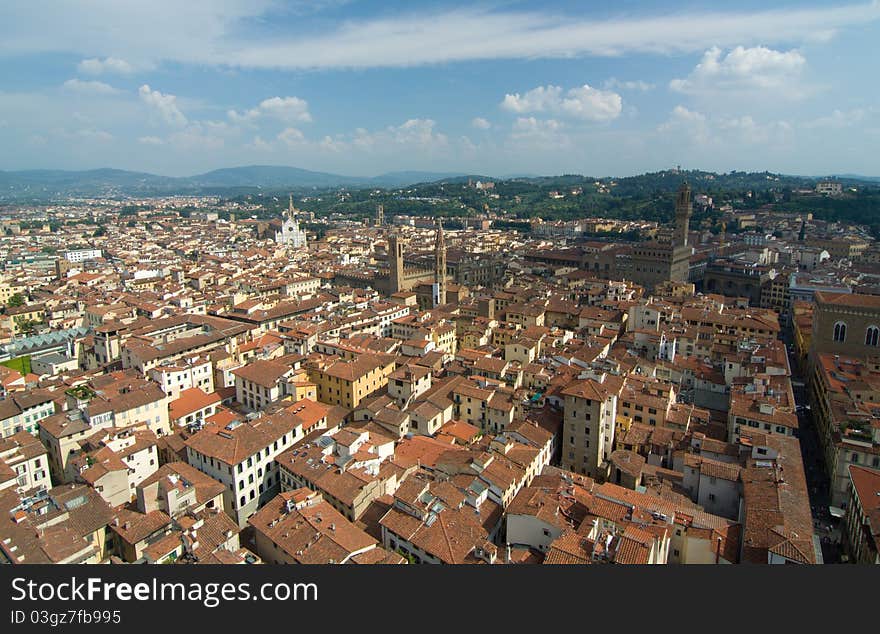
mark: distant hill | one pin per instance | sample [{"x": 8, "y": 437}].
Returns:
[
  {"x": 54, "y": 184},
  {"x": 113, "y": 182}
]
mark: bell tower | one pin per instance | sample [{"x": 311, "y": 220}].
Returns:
[
  {"x": 440, "y": 263},
  {"x": 683, "y": 210},
  {"x": 395, "y": 264}
]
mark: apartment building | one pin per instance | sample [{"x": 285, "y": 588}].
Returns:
[{"x": 242, "y": 455}]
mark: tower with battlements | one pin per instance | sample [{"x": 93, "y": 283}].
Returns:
[
  {"x": 440, "y": 264},
  {"x": 683, "y": 211},
  {"x": 395, "y": 264}
]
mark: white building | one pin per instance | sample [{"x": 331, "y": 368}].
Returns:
[
  {"x": 242, "y": 457},
  {"x": 291, "y": 235},
  {"x": 82, "y": 255},
  {"x": 26, "y": 457}
]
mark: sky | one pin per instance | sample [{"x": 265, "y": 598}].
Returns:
[{"x": 497, "y": 88}]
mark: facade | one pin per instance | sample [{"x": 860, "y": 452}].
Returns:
[
  {"x": 862, "y": 522},
  {"x": 23, "y": 412},
  {"x": 290, "y": 234},
  {"x": 82, "y": 255},
  {"x": 26, "y": 457},
  {"x": 590, "y": 412},
  {"x": 846, "y": 324},
  {"x": 242, "y": 457}
]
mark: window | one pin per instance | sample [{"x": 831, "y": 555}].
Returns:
[
  {"x": 711, "y": 497},
  {"x": 872, "y": 335},
  {"x": 840, "y": 331}
]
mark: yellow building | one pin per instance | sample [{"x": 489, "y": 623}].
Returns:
[{"x": 347, "y": 382}]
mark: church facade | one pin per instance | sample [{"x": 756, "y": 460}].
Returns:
[{"x": 290, "y": 234}]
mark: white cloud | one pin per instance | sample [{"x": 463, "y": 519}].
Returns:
[
  {"x": 636, "y": 85},
  {"x": 94, "y": 135},
  {"x": 214, "y": 33},
  {"x": 165, "y": 105},
  {"x": 284, "y": 109},
  {"x": 261, "y": 144},
  {"x": 331, "y": 144},
  {"x": 841, "y": 118},
  {"x": 687, "y": 123},
  {"x": 291, "y": 136},
  {"x": 151, "y": 140},
  {"x": 545, "y": 130},
  {"x": 413, "y": 132},
  {"x": 584, "y": 102},
  {"x": 480, "y": 123},
  {"x": 745, "y": 69},
  {"x": 89, "y": 87},
  {"x": 95, "y": 66},
  {"x": 691, "y": 126}
]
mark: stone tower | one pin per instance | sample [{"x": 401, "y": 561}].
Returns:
[
  {"x": 440, "y": 263},
  {"x": 380, "y": 215},
  {"x": 683, "y": 210},
  {"x": 395, "y": 264}
]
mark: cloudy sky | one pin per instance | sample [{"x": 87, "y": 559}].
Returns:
[{"x": 361, "y": 87}]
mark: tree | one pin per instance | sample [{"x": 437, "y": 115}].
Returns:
[
  {"x": 26, "y": 326},
  {"x": 16, "y": 300}
]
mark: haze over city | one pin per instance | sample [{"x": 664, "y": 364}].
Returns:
[{"x": 499, "y": 88}]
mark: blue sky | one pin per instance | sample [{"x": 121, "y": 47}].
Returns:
[{"x": 362, "y": 87}]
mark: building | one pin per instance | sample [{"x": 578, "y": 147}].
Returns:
[
  {"x": 26, "y": 462},
  {"x": 82, "y": 255},
  {"x": 655, "y": 262},
  {"x": 439, "y": 288},
  {"x": 347, "y": 382},
  {"x": 829, "y": 188},
  {"x": 846, "y": 324},
  {"x": 23, "y": 411},
  {"x": 298, "y": 527},
  {"x": 64, "y": 525},
  {"x": 862, "y": 520},
  {"x": 242, "y": 455},
  {"x": 590, "y": 412},
  {"x": 435, "y": 523},
  {"x": 289, "y": 233}
]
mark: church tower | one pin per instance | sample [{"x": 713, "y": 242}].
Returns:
[
  {"x": 380, "y": 215},
  {"x": 395, "y": 264},
  {"x": 440, "y": 264},
  {"x": 683, "y": 210}
]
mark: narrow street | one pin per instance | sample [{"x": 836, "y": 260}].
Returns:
[{"x": 826, "y": 527}]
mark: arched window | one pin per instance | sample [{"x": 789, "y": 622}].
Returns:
[
  {"x": 840, "y": 331},
  {"x": 872, "y": 334}
]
